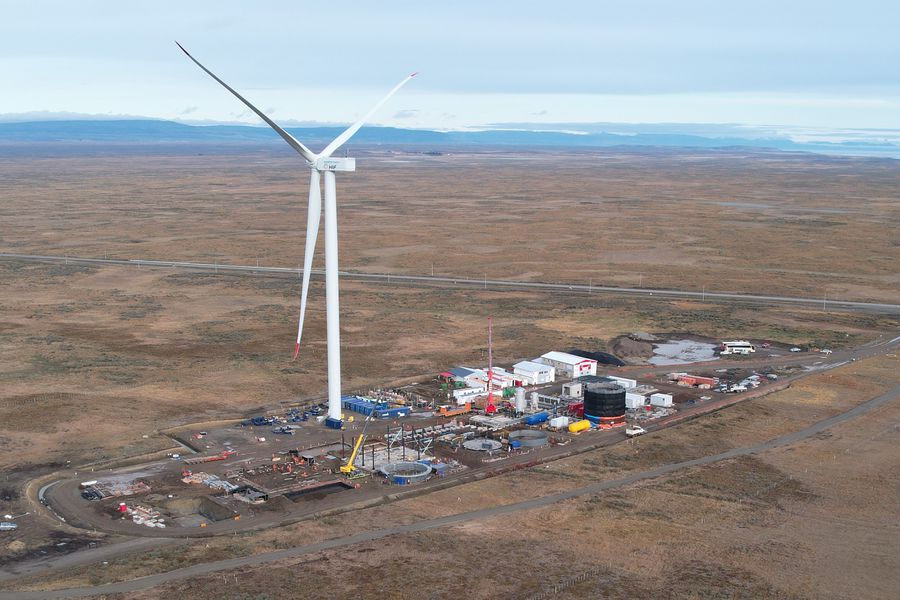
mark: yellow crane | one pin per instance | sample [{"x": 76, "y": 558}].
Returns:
[{"x": 349, "y": 468}]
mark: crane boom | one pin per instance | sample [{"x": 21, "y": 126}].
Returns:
[
  {"x": 350, "y": 467},
  {"x": 489, "y": 408}
]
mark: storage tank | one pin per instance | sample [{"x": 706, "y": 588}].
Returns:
[
  {"x": 521, "y": 404},
  {"x": 604, "y": 403},
  {"x": 579, "y": 426},
  {"x": 537, "y": 418},
  {"x": 535, "y": 400}
]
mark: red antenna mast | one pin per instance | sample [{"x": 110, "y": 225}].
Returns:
[{"x": 489, "y": 407}]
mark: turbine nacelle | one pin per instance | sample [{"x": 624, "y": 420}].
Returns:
[{"x": 325, "y": 163}]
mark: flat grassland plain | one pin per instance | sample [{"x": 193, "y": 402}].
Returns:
[{"x": 94, "y": 358}]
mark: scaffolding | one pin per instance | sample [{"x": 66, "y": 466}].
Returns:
[{"x": 423, "y": 439}]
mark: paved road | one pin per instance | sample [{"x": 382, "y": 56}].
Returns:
[
  {"x": 492, "y": 284},
  {"x": 298, "y": 551}
]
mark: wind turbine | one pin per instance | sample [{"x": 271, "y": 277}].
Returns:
[{"x": 320, "y": 164}]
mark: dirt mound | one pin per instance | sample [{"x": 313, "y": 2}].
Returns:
[{"x": 627, "y": 348}]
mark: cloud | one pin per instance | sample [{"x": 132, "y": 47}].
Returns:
[
  {"x": 406, "y": 114},
  {"x": 540, "y": 113},
  {"x": 189, "y": 110}
]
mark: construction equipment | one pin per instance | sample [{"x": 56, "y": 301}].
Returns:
[
  {"x": 489, "y": 407},
  {"x": 349, "y": 468},
  {"x": 447, "y": 411}
]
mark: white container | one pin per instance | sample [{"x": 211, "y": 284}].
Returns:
[
  {"x": 664, "y": 400},
  {"x": 625, "y": 383},
  {"x": 634, "y": 401},
  {"x": 559, "y": 422}
]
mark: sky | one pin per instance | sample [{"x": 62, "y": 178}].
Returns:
[{"x": 808, "y": 65}]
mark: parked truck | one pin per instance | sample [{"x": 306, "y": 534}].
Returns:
[{"x": 634, "y": 431}]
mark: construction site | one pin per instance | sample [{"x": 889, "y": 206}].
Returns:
[{"x": 463, "y": 423}]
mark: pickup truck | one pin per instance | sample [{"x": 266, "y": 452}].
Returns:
[{"x": 634, "y": 431}]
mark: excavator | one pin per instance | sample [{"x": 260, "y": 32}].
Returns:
[{"x": 350, "y": 469}]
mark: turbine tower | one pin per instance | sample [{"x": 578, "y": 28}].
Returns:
[{"x": 321, "y": 166}]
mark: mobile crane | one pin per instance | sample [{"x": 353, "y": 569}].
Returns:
[{"x": 350, "y": 469}]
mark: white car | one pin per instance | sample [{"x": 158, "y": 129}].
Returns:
[
  {"x": 826, "y": 351},
  {"x": 796, "y": 349}
]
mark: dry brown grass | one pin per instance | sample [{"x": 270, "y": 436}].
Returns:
[
  {"x": 789, "y": 224},
  {"x": 95, "y": 358}
]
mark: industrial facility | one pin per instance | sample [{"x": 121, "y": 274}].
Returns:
[{"x": 430, "y": 432}]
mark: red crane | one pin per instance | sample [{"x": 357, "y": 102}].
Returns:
[{"x": 490, "y": 408}]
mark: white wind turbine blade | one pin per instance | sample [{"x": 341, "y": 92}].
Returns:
[
  {"x": 341, "y": 139},
  {"x": 291, "y": 140},
  {"x": 312, "y": 231}
]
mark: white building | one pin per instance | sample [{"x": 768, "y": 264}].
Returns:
[
  {"x": 625, "y": 383},
  {"x": 569, "y": 365},
  {"x": 467, "y": 394},
  {"x": 534, "y": 373},
  {"x": 503, "y": 378},
  {"x": 664, "y": 400},
  {"x": 573, "y": 389},
  {"x": 634, "y": 400}
]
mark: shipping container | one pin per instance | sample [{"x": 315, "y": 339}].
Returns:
[
  {"x": 664, "y": 400},
  {"x": 559, "y": 422}
]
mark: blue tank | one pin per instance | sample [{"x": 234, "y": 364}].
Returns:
[{"x": 537, "y": 418}]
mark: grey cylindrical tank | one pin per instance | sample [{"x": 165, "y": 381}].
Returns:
[{"x": 521, "y": 404}]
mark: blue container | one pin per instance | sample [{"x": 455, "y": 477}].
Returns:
[
  {"x": 333, "y": 423},
  {"x": 537, "y": 418},
  {"x": 515, "y": 444},
  {"x": 392, "y": 413}
]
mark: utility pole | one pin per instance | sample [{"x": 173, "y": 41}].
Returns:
[
  {"x": 703, "y": 294},
  {"x": 432, "y": 269},
  {"x": 485, "y": 281},
  {"x": 590, "y": 285}
]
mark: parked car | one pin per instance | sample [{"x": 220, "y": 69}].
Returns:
[{"x": 796, "y": 349}]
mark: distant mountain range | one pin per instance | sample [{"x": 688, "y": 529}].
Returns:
[{"x": 149, "y": 131}]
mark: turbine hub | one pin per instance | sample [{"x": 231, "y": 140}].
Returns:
[{"x": 335, "y": 164}]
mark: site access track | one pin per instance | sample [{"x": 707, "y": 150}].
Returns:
[
  {"x": 483, "y": 283},
  {"x": 150, "y": 581}
]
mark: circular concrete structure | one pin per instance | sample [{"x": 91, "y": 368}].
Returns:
[
  {"x": 530, "y": 438},
  {"x": 404, "y": 473},
  {"x": 482, "y": 445}
]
